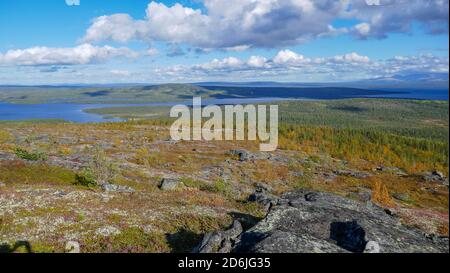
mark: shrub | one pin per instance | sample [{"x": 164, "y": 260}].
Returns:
[
  {"x": 380, "y": 194},
  {"x": 100, "y": 168},
  {"x": 86, "y": 179},
  {"x": 31, "y": 156}
]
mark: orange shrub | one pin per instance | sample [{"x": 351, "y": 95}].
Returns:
[{"x": 380, "y": 194}]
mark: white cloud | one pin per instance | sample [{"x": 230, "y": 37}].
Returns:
[
  {"x": 241, "y": 24},
  {"x": 397, "y": 16},
  {"x": 82, "y": 54},
  {"x": 238, "y": 48},
  {"x": 258, "y": 62},
  {"x": 122, "y": 73},
  {"x": 288, "y": 57},
  {"x": 351, "y": 66},
  {"x": 350, "y": 58}
]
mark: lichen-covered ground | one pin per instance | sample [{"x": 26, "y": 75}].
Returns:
[{"x": 50, "y": 194}]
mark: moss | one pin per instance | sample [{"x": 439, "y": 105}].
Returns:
[
  {"x": 130, "y": 240},
  {"x": 16, "y": 172}
]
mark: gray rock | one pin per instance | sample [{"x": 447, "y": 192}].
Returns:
[
  {"x": 117, "y": 188},
  {"x": 220, "y": 241},
  {"x": 311, "y": 197},
  {"x": 263, "y": 197},
  {"x": 279, "y": 241},
  {"x": 2, "y": 184},
  {"x": 72, "y": 247},
  {"x": 309, "y": 222},
  {"x": 436, "y": 176},
  {"x": 168, "y": 184},
  {"x": 372, "y": 247}
]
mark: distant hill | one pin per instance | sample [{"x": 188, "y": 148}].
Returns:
[
  {"x": 404, "y": 81},
  {"x": 121, "y": 94}
]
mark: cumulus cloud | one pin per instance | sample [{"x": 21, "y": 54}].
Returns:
[
  {"x": 230, "y": 25},
  {"x": 258, "y": 62},
  {"x": 288, "y": 57},
  {"x": 289, "y": 62},
  {"x": 82, "y": 54},
  {"x": 241, "y": 24},
  {"x": 397, "y": 16}
]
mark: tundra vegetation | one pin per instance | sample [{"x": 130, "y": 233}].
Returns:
[{"x": 52, "y": 174}]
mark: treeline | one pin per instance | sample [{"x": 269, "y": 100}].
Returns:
[{"x": 409, "y": 153}]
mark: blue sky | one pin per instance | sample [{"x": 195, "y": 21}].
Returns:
[{"x": 101, "y": 41}]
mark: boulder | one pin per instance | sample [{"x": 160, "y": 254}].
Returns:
[{"x": 168, "y": 184}]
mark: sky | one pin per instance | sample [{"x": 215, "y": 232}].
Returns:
[{"x": 142, "y": 41}]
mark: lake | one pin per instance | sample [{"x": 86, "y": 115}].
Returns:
[{"x": 74, "y": 112}]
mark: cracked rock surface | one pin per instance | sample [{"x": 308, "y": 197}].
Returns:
[{"x": 331, "y": 224}]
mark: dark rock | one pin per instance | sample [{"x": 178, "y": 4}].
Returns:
[
  {"x": 436, "y": 176},
  {"x": 263, "y": 197},
  {"x": 332, "y": 223},
  {"x": 311, "y": 197},
  {"x": 220, "y": 241},
  {"x": 168, "y": 184},
  {"x": 242, "y": 154}
]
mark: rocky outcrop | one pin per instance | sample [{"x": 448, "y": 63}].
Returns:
[
  {"x": 436, "y": 176},
  {"x": 307, "y": 222}
]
